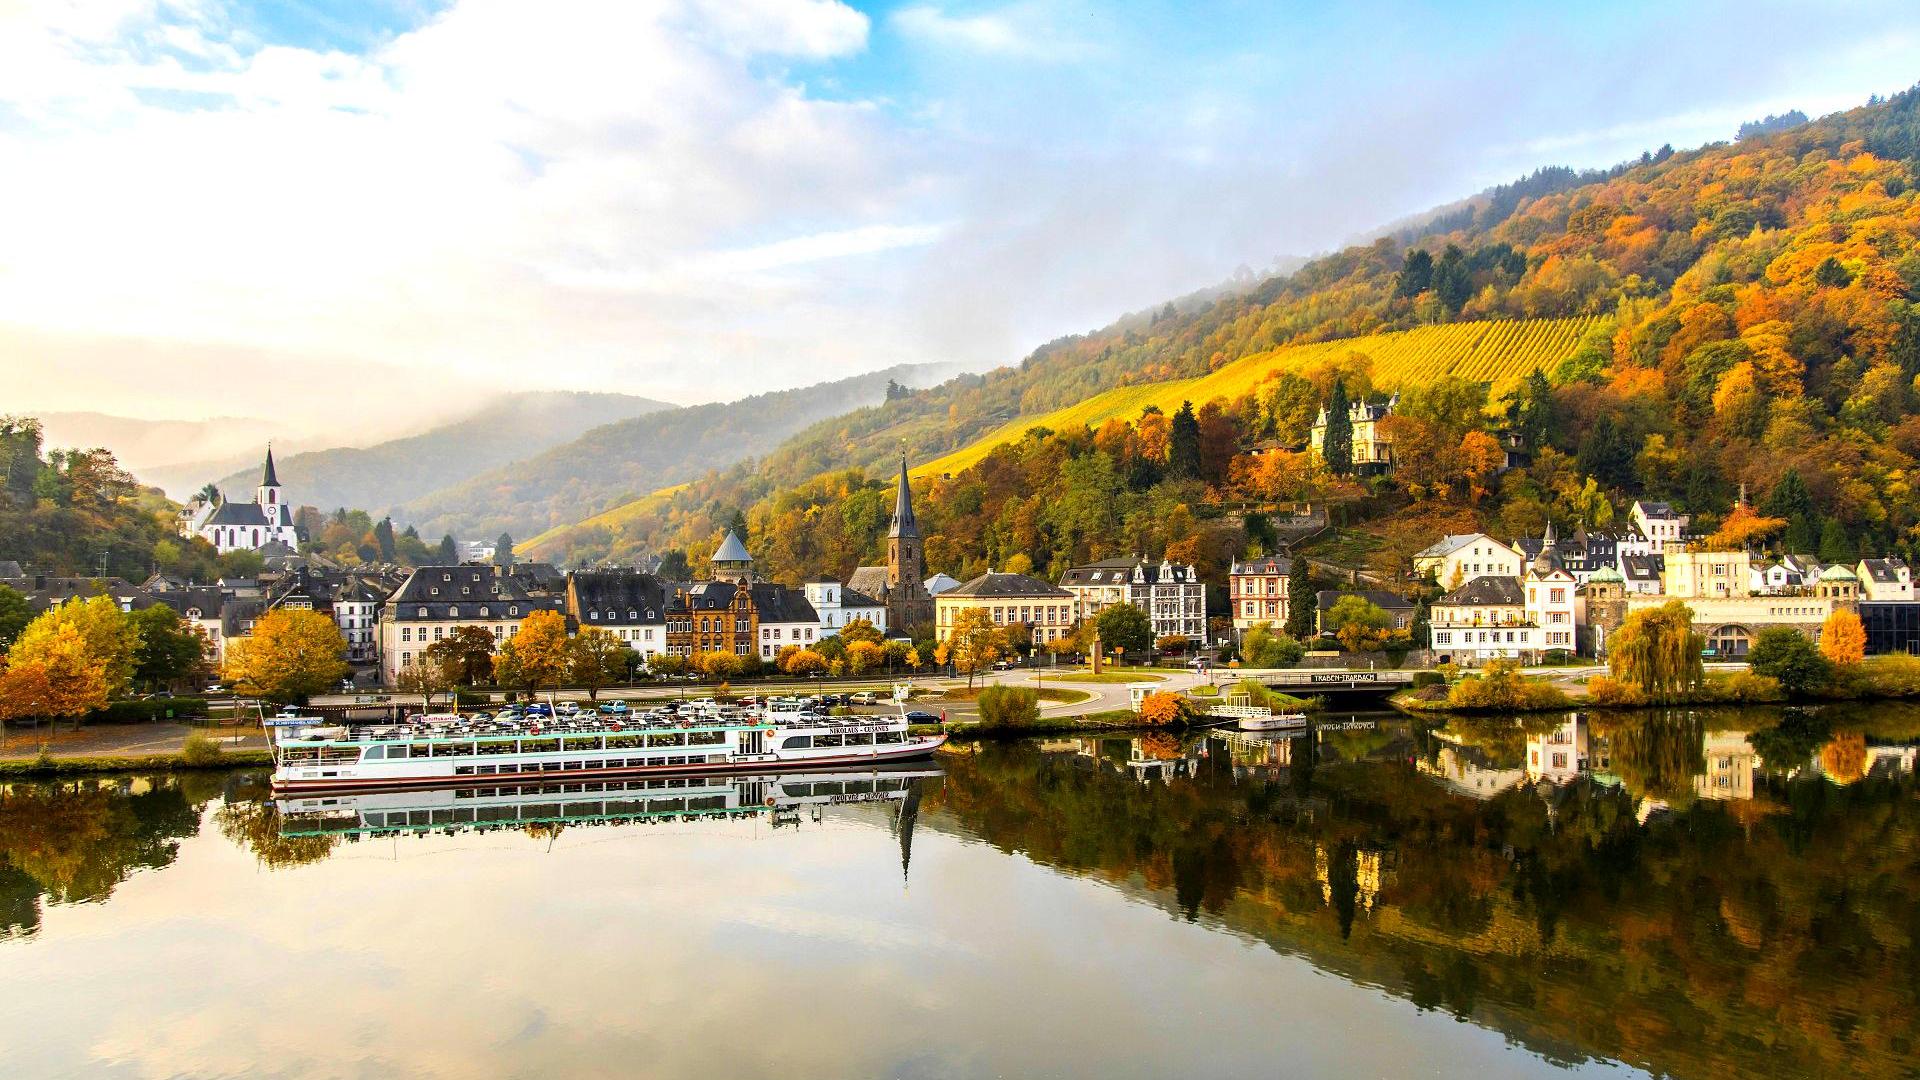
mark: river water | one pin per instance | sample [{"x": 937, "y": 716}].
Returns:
[{"x": 1696, "y": 894}]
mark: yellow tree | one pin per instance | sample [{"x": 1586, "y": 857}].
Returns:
[
  {"x": 291, "y": 654},
  {"x": 596, "y": 659},
  {"x": 536, "y": 656},
  {"x": 1161, "y": 708},
  {"x": 110, "y": 637},
  {"x": 1657, "y": 652},
  {"x": 62, "y": 678},
  {"x": 974, "y": 642},
  {"x": 802, "y": 662},
  {"x": 1843, "y": 639},
  {"x": 865, "y": 656},
  {"x": 860, "y": 630}
]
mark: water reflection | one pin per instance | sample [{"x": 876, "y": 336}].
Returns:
[{"x": 1694, "y": 893}]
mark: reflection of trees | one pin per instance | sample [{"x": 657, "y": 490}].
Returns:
[
  {"x": 1657, "y": 754},
  {"x": 75, "y": 842},
  {"x": 1789, "y": 744},
  {"x": 256, "y": 827},
  {"x": 1712, "y": 941}
]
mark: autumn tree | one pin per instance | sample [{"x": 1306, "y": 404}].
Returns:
[
  {"x": 465, "y": 654},
  {"x": 428, "y": 677},
  {"x": 59, "y": 677},
  {"x": 171, "y": 649},
  {"x": 1657, "y": 653},
  {"x": 595, "y": 659},
  {"x": 1843, "y": 640},
  {"x": 291, "y": 655},
  {"x": 860, "y": 630},
  {"x": 536, "y": 656},
  {"x": 1124, "y": 628},
  {"x": 1263, "y": 647},
  {"x": 803, "y": 662},
  {"x": 1161, "y": 708},
  {"x": 111, "y": 637},
  {"x": 1360, "y": 624},
  {"x": 1743, "y": 529},
  {"x": 973, "y": 642},
  {"x": 865, "y": 656}
]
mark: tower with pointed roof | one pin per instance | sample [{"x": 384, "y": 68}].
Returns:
[
  {"x": 731, "y": 562},
  {"x": 268, "y": 493},
  {"x": 901, "y": 584},
  {"x": 230, "y": 525}
]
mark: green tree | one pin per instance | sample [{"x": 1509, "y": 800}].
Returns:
[
  {"x": 449, "y": 553},
  {"x": 1124, "y": 626},
  {"x": 1337, "y": 447},
  {"x": 170, "y": 650},
  {"x": 384, "y": 541},
  {"x": 1835, "y": 545},
  {"x": 1416, "y": 274},
  {"x": 1262, "y": 647},
  {"x": 466, "y": 654},
  {"x": 595, "y": 659},
  {"x": 1453, "y": 279},
  {"x": 1790, "y": 500},
  {"x": 1303, "y": 602},
  {"x": 1008, "y": 706},
  {"x": 1787, "y": 655},
  {"x": 15, "y": 614},
  {"x": 503, "y": 551},
  {"x": 1183, "y": 446}
]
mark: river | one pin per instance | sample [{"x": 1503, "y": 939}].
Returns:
[{"x": 1695, "y": 894}]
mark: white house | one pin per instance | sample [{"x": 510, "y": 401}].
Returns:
[
  {"x": 1659, "y": 523},
  {"x": 1509, "y": 616},
  {"x": 238, "y": 526},
  {"x": 1885, "y": 580},
  {"x": 1460, "y": 557},
  {"x": 1171, "y": 594},
  {"x": 837, "y": 605}
]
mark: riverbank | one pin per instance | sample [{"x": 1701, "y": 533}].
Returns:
[{"x": 1879, "y": 679}]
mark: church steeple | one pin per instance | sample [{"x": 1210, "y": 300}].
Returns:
[
  {"x": 903, "y": 523},
  {"x": 267, "y": 495},
  {"x": 267, "y": 477}
]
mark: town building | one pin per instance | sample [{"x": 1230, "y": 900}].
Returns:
[
  {"x": 940, "y": 583},
  {"x": 630, "y": 605},
  {"x": 1659, "y": 523},
  {"x": 1257, "y": 591},
  {"x": 249, "y": 526},
  {"x": 1515, "y": 617},
  {"x": 1009, "y": 600},
  {"x": 739, "y": 613},
  {"x": 1372, "y": 449},
  {"x": 436, "y": 600},
  {"x": 837, "y": 605},
  {"x": 1643, "y": 575},
  {"x": 1601, "y": 608},
  {"x": 1460, "y": 557},
  {"x": 900, "y": 585},
  {"x": 1172, "y": 595},
  {"x": 1397, "y": 607},
  {"x": 1885, "y": 580}
]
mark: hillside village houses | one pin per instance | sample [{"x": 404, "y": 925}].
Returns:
[
  {"x": 1172, "y": 595},
  {"x": 1257, "y": 591},
  {"x": 1372, "y": 449},
  {"x": 1009, "y": 600}
]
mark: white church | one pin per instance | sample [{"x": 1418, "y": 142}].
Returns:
[{"x": 238, "y": 526}]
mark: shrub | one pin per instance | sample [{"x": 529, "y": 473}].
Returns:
[
  {"x": 1431, "y": 692},
  {"x": 200, "y": 749},
  {"x": 1744, "y": 687},
  {"x": 469, "y": 699},
  {"x": 1264, "y": 647},
  {"x": 1502, "y": 686},
  {"x": 1428, "y": 678},
  {"x": 1607, "y": 690},
  {"x": 1161, "y": 708},
  {"x": 1892, "y": 676},
  {"x": 1009, "y": 706}
]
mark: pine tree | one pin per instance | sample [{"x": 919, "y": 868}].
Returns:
[
  {"x": 383, "y": 539},
  {"x": 1835, "y": 545},
  {"x": 503, "y": 551},
  {"x": 1302, "y": 601},
  {"x": 1183, "y": 444},
  {"x": 1790, "y": 499},
  {"x": 1337, "y": 450},
  {"x": 1532, "y": 412},
  {"x": 1453, "y": 279},
  {"x": 449, "y": 554},
  {"x": 1416, "y": 274}
]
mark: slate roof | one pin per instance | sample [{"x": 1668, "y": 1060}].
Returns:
[
  {"x": 45, "y": 591},
  {"x": 1266, "y": 564},
  {"x": 939, "y": 583},
  {"x": 903, "y": 522},
  {"x": 1488, "y": 591},
  {"x": 871, "y": 580},
  {"x": 1643, "y": 567},
  {"x": 991, "y": 585},
  {"x": 240, "y": 514},
  {"x": 779, "y": 604},
  {"x": 11, "y": 569},
  {"x": 458, "y": 592},
  {"x": 850, "y": 598},
  {"x": 731, "y": 550},
  {"x": 1120, "y": 571},
  {"x": 1449, "y": 544},
  {"x": 617, "y": 597},
  {"x": 1884, "y": 571}
]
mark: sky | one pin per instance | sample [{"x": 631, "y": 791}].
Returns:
[{"x": 363, "y": 210}]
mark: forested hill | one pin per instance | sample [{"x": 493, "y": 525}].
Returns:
[
  {"x": 618, "y": 462},
  {"x": 380, "y": 477},
  {"x": 1757, "y": 299}
]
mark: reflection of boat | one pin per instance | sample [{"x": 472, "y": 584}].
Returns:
[
  {"x": 481, "y": 752},
  {"x": 656, "y": 799},
  {"x": 1271, "y": 721}
]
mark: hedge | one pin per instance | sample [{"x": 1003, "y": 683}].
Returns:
[{"x": 143, "y": 710}]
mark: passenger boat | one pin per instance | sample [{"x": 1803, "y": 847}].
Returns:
[
  {"x": 312, "y": 755},
  {"x": 783, "y": 797},
  {"x": 1272, "y": 721}
]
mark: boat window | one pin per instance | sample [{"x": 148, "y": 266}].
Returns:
[
  {"x": 797, "y": 742},
  {"x": 340, "y": 754},
  {"x": 594, "y": 765},
  {"x": 463, "y": 770},
  {"x": 549, "y": 766},
  {"x": 584, "y": 742},
  {"x": 375, "y": 753},
  {"x": 539, "y": 746},
  {"x": 859, "y": 738},
  {"x": 890, "y": 737},
  {"x": 826, "y": 739},
  {"x": 572, "y": 765},
  {"x": 669, "y": 738},
  {"x": 706, "y": 738},
  {"x": 625, "y": 742}
]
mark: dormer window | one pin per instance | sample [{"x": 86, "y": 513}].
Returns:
[
  {"x": 593, "y": 616},
  {"x": 633, "y": 616},
  {"x": 483, "y": 611},
  {"x": 423, "y": 613},
  {"x": 446, "y": 577},
  {"x": 514, "y": 610},
  {"x": 453, "y": 613},
  {"x": 464, "y": 591}
]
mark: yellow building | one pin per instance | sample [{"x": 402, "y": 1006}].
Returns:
[
  {"x": 1009, "y": 600},
  {"x": 1372, "y": 450}
]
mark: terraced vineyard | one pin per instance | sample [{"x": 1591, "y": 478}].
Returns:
[
  {"x": 539, "y": 546},
  {"x": 1498, "y": 352}
]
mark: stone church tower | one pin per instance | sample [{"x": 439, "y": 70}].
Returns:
[{"x": 900, "y": 586}]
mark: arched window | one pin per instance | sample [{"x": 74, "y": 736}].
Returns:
[
  {"x": 423, "y": 613},
  {"x": 514, "y": 610},
  {"x": 453, "y": 613}
]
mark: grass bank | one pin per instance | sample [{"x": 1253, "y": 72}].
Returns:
[
  {"x": 1105, "y": 677},
  {"x": 83, "y": 764}
]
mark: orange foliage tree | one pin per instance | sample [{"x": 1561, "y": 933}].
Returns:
[{"x": 1843, "y": 639}]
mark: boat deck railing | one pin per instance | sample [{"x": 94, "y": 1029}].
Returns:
[{"x": 633, "y": 723}]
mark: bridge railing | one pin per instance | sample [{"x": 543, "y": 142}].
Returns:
[{"x": 1339, "y": 678}]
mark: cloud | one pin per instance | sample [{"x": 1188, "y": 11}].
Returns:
[{"x": 1001, "y": 33}]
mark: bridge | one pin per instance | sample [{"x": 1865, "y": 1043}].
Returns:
[{"x": 1340, "y": 686}]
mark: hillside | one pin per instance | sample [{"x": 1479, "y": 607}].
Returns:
[
  {"x": 1760, "y": 329},
  {"x": 386, "y": 475},
  {"x": 611, "y": 464},
  {"x": 1499, "y": 353}
]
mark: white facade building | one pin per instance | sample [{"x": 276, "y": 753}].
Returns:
[
  {"x": 1461, "y": 557},
  {"x": 1172, "y": 595},
  {"x": 238, "y": 526}
]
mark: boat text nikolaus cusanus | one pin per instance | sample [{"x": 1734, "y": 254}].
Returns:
[{"x": 310, "y": 754}]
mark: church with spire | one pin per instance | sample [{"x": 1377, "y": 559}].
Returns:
[
  {"x": 230, "y": 525},
  {"x": 900, "y": 585}
]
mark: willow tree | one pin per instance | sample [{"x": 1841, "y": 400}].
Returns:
[{"x": 1657, "y": 652}]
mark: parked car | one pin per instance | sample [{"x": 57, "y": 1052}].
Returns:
[
  {"x": 618, "y": 708},
  {"x": 539, "y": 708},
  {"x": 923, "y": 718},
  {"x": 569, "y": 708},
  {"x": 865, "y": 697},
  {"x": 215, "y": 688}
]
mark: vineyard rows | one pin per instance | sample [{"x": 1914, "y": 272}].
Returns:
[{"x": 1499, "y": 352}]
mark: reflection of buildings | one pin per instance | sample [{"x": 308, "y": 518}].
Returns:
[
  {"x": 1343, "y": 868},
  {"x": 1466, "y": 772},
  {"x": 1262, "y": 753},
  {"x": 1731, "y": 763},
  {"x": 1562, "y": 755}
]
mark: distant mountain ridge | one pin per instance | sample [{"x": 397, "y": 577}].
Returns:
[
  {"x": 151, "y": 446},
  {"x": 621, "y": 461},
  {"x": 386, "y": 475}
]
